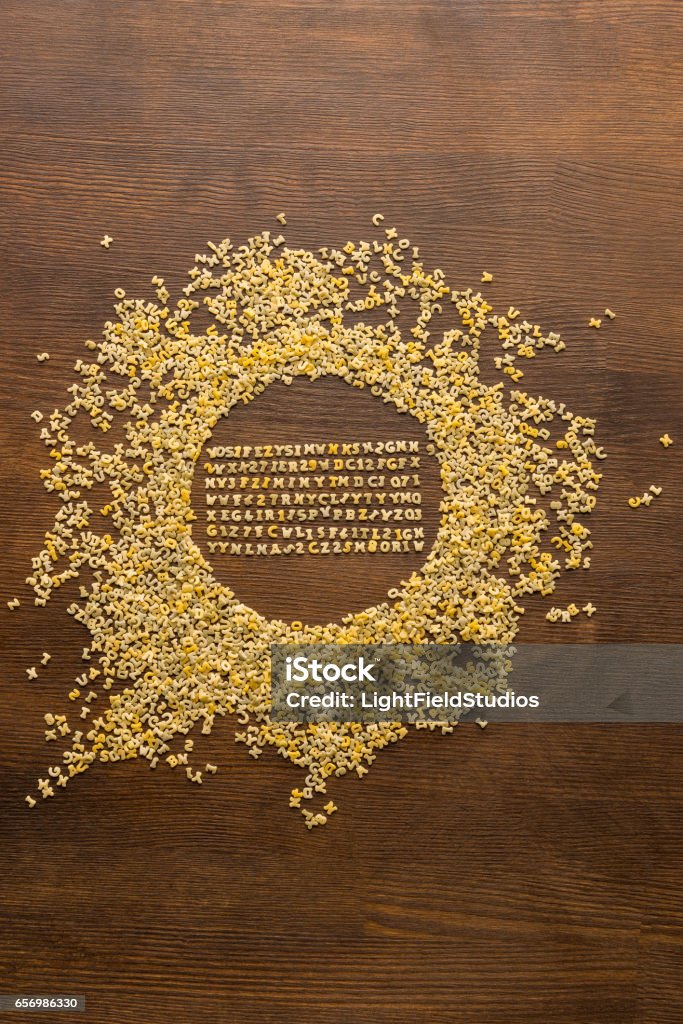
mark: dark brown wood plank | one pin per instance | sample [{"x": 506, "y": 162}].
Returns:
[{"x": 519, "y": 874}]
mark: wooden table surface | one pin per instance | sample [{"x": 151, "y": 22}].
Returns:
[{"x": 518, "y": 875}]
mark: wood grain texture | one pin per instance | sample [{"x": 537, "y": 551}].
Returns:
[{"x": 521, "y": 875}]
